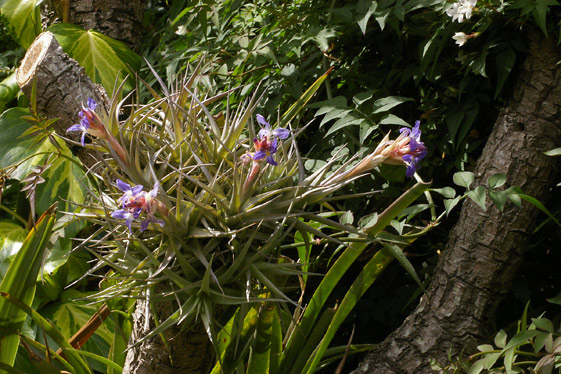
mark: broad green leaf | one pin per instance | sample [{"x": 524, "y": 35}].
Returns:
[
  {"x": 368, "y": 220},
  {"x": 392, "y": 119},
  {"x": 513, "y": 196},
  {"x": 24, "y": 19},
  {"x": 19, "y": 281},
  {"x": 478, "y": 64},
  {"x": 64, "y": 177},
  {"x": 307, "y": 348},
  {"x": 556, "y": 299},
  {"x": 362, "y": 97},
  {"x": 449, "y": 204},
  {"x": 69, "y": 315},
  {"x": 327, "y": 105},
  {"x": 541, "y": 8},
  {"x": 365, "y": 9},
  {"x": 366, "y": 128},
  {"x": 276, "y": 344},
  {"x": 65, "y": 181},
  {"x": 11, "y": 240},
  {"x": 335, "y": 113},
  {"x": 260, "y": 357},
  {"x": 454, "y": 121},
  {"x": 447, "y": 192},
  {"x": 386, "y": 103},
  {"x": 496, "y": 180},
  {"x": 78, "y": 364},
  {"x": 539, "y": 341},
  {"x": 485, "y": 348},
  {"x": 509, "y": 360},
  {"x": 520, "y": 338},
  {"x": 463, "y": 178},
  {"x": 500, "y": 339},
  {"x": 499, "y": 199},
  {"x": 478, "y": 196},
  {"x": 235, "y": 338},
  {"x": 14, "y": 149},
  {"x": 490, "y": 359},
  {"x": 543, "y": 324},
  {"x": 476, "y": 367},
  {"x": 105, "y": 60}
]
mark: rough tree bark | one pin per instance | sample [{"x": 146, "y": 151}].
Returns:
[
  {"x": 484, "y": 248},
  {"x": 120, "y": 20},
  {"x": 62, "y": 86},
  {"x": 187, "y": 351}
]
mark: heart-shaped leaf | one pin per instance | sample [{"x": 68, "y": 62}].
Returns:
[{"x": 106, "y": 61}]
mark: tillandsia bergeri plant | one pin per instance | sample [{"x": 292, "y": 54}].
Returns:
[{"x": 202, "y": 210}]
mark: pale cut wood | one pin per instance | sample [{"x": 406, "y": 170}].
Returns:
[{"x": 62, "y": 86}]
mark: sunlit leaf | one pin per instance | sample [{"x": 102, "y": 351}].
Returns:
[
  {"x": 554, "y": 152},
  {"x": 106, "y": 61},
  {"x": 24, "y": 18},
  {"x": 8, "y": 88},
  {"x": 11, "y": 239}
]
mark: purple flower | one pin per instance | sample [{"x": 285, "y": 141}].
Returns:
[
  {"x": 89, "y": 122},
  {"x": 83, "y": 126},
  {"x": 130, "y": 195},
  {"x": 128, "y": 215},
  {"x": 150, "y": 218},
  {"x": 266, "y": 143},
  {"x": 134, "y": 202},
  {"x": 408, "y": 149},
  {"x": 280, "y": 133}
]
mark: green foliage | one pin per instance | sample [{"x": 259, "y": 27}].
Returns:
[
  {"x": 24, "y": 19},
  {"x": 105, "y": 60},
  {"x": 535, "y": 347},
  {"x": 19, "y": 282},
  {"x": 225, "y": 240},
  {"x": 479, "y": 194},
  {"x": 219, "y": 221}
]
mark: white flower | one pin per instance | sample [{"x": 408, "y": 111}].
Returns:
[
  {"x": 462, "y": 9},
  {"x": 460, "y": 38}
]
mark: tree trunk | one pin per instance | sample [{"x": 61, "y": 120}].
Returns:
[
  {"x": 186, "y": 351},
  {"x": 61, "y": 86},
  {"x": 120, "y": 20},
  {"x": 484, "y": 249}
]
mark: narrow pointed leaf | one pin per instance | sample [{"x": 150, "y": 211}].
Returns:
[
  {"x": 20, "y": 280},
  {"x": 301, "y": 102},
  {"x": 341, "y": 265},
  {"x": 367, "y": 276}
]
